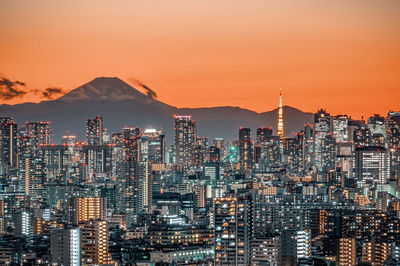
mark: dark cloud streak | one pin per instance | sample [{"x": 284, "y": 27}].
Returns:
[
  {"x": 49, "y": 93},
  {"x": 151, "y": 94},
  {"x": 10, "y": 89}
]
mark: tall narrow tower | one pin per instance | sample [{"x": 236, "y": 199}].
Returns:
[{"x": 280, "y": 116}]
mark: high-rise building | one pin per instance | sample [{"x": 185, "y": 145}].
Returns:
[
  {"x": 372, "y": 165},
  {"x": 340, "y": 128},
  {"x": 347, "y": 251},
  {"x": 8, "y": 142},
  {"x": 153, "y": 146},
  {"x": 245, "y": 149},
  {"x": 23, "y": 223},
  {"x": 131, "y": 143},
  {"x": 232, "y": 231},
  {"x": 262, "y": 134},
  {"x": 375, "y": 251},
  {"x": 94, "y": 243},
  {"x": 94, "y": 131},
  {"x": 36, "y": 134},
  {"x": 266, "y": 250},
  {"x": 145, "y": 187},
  {"x": 32, "y": 178},
  {"x": 280, "y": 131},
  {"x": 393, "y": 129},
  {"x": 185, "y": 139},
  {"x": 377, "y": 129},
  {"x": 324, "y": 143},
  {"x": 65, "y": 247},
  {"x": 214, "y": 154},
  {"x": 90, "y": 208}
]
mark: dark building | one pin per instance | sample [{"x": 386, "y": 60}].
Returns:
[
  {"x": 245, "y": 149},
  {"x": 94, "y": 131},
  {"x": 185, "y": 139}
]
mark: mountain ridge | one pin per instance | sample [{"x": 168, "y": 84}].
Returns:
[{"x": 132, "y": 107}]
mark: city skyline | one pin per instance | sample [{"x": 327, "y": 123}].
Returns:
[{"x": 301, "y": 47}]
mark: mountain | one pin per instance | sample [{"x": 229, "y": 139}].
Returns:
[{"x": 122, "y": 105}]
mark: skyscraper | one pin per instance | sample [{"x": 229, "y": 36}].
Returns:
[
  {"x": 280, "y": 131},
  {"x": 94, "y": 131},
  {"x": 245, "y": 149},
  {"x": 8, "y": 142},
  {"x": 393, "y": 129},
  {"x": 185, "y": 139},
  {"x": 153, "y": 146},
  {"x": 32, "y": 178},
  {"x": 131, "y": 143},
  {"x": 372, "y": 165},
  {"x": 232, "y": 231},
  {"x": 262, "y": 134},
  {"x": 324, "y": 143},
  {"x": 37, "y": 134}
]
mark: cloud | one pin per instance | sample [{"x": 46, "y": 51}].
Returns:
[
  {"x": 151, "y": 94},
  {"x": 49, "y": 93},
  {"x": 11, "y": 89}
]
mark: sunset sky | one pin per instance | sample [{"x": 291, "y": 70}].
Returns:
[{"x": 343, "y": 55}]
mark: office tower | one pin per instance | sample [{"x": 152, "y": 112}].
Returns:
[
  {"x": 393, "y": 129},
  {"x": 212, "y": 171},
  {"x": 94, "y": 243},
  {"x": 372, "y": 165},
  {"x": 200, "y": 191},
  {"x": 262, "y": 134},
  {"x": 377, "y": 129},
  {"x": 280, "y": 131},
  {"x": 98, "y": 161},
  {"x": 90, "y": 208},
  {"x": 145, "y": 187},
  {"x": 36, "y": 134},
  {"x": 324, "y": 143},
  {"x": 220, "y": 144},
  {"x": 65, "y": 247},
  {"x": 292, "y": 155},
  {"x": 94, "y": 131},
  {"x": 271, "y": 153},
  {"x": 266, "y": 250},
  {"x": 185, "y": 139},
  {"x": 153, "y": 146},
  {"x": 347, "y": 251},
  {"x": 32, "y": 178},
  {"x": 54, "y": 159},
  {"x": 131, "y": 143},
  {"x": 361, "y": 136},
  {"x": 245, "y": 149},
  {"x": 214, "y": 154},
  {"x": 308, "y": 146},
  {"x": 341, "y": 128},
  {"x": 199, "y": 152},
  {"x": 129, "y": 173},
  {"x": 8, "y": 142},
  {"x": 232, "y": 230}
]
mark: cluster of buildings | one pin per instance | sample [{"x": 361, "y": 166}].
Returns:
[{"x": 330, "y": 195}]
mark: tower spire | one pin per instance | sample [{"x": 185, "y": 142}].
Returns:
[{"x": 280, "y": 116}]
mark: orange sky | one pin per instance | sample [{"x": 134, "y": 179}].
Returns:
[{"x": 343, "y": 55}]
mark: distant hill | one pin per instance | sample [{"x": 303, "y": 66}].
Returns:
[{"x": 122, "y": 105}]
